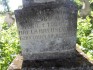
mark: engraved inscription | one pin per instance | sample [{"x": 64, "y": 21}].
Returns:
[
  {"x": 48, "y": 31},
  {"x": 42, "y": 31},
  {"x": 44, "y": 26},
  {"x": 40, "y": 36}
]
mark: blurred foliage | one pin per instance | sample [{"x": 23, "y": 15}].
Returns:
[
  {"x": 9, "y": 41},
  {"x": 5, "y": 5},
  {"x": 85, "y": 31},
  {"x": 9, "y": 44}
]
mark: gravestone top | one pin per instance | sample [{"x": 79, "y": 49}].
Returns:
[
  {"x": 28, "y": 3},
  {"x": 47, "y": 30}
]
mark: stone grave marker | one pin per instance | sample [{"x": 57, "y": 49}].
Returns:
[{"x": 47, "y": 29}]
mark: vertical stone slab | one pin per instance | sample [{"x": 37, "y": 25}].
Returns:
[{"x": 47, "y": 30}]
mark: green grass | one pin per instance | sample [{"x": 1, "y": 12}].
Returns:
[{"x": 9, "y": 44}]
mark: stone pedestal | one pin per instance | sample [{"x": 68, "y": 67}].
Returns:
[
  {"x": 80, "y": 62},
  {"x": 75, "y": 63}
]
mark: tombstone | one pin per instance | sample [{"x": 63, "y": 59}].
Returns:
[
  {"x": 47, "y": 31},
  {"x": 9, "y": 19}
]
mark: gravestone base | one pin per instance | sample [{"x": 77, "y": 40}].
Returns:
[
  {"x": 80, "y": 62},
  {"x": 74, "y": 63}
]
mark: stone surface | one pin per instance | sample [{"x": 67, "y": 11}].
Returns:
[
  {"x": 75, "y": 63},
  {"x": 9, "y": 19},
  {"x": 47, "y": 30},
  {"x": 28, "y": 3},
  {"x": 16, "y": 64},
  {"x": 80, "y": 62}
]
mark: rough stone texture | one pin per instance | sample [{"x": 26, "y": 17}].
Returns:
[
  {"x": 75, "y": 63},
  {"x": 16, "y": 64},
  {"x": 47, "y": 30},
  {"x": 27, "y": 3},
  {"x": 79, "y": 62}
]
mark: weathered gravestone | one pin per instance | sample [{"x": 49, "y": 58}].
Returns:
[{"x": 47, "y": 30}]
